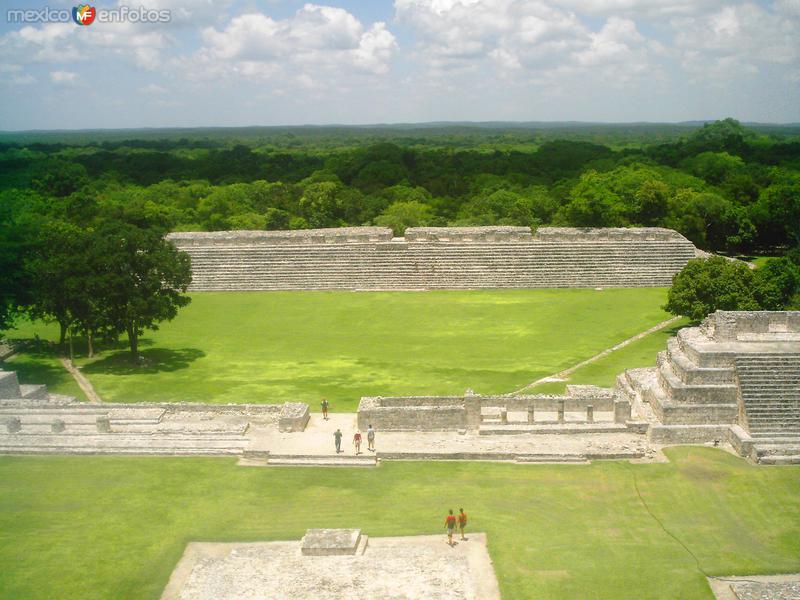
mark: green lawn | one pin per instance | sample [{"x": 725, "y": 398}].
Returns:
[
  {"x": 278, "y": 346},
  {"x": 114, "y": 527},
  {"x": 604, "y": 371}
]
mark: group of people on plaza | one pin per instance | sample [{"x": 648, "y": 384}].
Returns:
[
  {"x": 337, "y": 435},
  {"x": 337, "y": 440}
]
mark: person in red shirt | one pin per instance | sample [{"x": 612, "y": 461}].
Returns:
[
  {"x": 357, "y": 442},
  {"x": 450, "y": 524},
  {"x": 462, "y": 522}
]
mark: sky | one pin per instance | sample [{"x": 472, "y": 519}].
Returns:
[{"x": 283, "y": 62}]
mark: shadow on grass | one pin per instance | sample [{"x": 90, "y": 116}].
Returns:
[
  {"x": 50, "y": 373},
  {"x": 153, "y": 360}
]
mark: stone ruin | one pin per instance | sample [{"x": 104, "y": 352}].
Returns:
[
  {"x": 735, "y": 378},
  {"x": 332, "y": 564},
  {"x": 584, "y": 408},
  {"x": 369, "y": 258},
  {"x": 33, "y": 421}
]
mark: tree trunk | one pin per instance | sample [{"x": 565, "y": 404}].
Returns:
[
  {"x": 71, "y": 349},
  {"x": 62, "y": 337},
  {"x": 90, "y": 341},
  {"x": 133, "y": 340}
]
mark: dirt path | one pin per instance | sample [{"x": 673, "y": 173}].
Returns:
[
  {"x": 82, "y": 381},
  {"x": 562, "y": 375}
]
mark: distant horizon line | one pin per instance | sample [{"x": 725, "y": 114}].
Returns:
[{"x": 396, "y": 125}]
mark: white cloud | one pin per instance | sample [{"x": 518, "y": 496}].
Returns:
[
  {"x": 736, "y": 40},
  {"x": 313, "y": 45},
  {"x": 14, "y": 75},
  {"x": 65, "y": 78},
  {"x": 641, "y": 8},
  {"x": 519, "y": 36}
]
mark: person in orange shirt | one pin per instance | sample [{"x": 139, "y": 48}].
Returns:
[
  {"x": 462, "y": 522},
  {"x": 450, "y": 524},
  {"x": 357, "y": 442}
]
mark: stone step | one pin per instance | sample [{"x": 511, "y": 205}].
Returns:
[
  {"x": 552, "y": 428},
  {"x": 552, "y": 458},
  {"x": 331, "y": 460},
  {"x": 779, "y": 460},
  {"x": 787, "y": 449}
]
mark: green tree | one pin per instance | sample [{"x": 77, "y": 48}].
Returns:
[
  {"x": 144, "y": 279},
  {"x": 62, "y": 277},
  {"x": 706, "y": 285},
  {"x": 401, "y": 215},
  {"x": 776, "y": 283}
]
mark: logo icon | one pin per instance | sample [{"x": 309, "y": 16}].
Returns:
[{"x": 83, "y": 14}]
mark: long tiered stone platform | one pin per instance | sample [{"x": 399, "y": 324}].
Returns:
[
  {"x": 735, "y": 378},
  {"x": 368, "y": 258}
]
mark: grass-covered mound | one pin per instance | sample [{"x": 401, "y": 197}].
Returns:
[
  {"x": 300, "y": 346},
  {"x": 114, "y": 528}
]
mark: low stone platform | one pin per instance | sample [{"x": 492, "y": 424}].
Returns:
[
  {"x": 400, "y": 568},
  {"x": 757, "y": 587},
  {"x": 331, "y": 542}
]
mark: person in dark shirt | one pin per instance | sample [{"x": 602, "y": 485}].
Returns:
[
  {"x": 337, "y": 438},
  {"x": 450, "y": 524}
]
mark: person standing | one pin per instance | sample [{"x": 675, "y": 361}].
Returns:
[
  {"x": 370, "y": 438},
  {"x": 324, "y": 404},
  {"x": 357, "y": 442},
  {"x": 462, "y": 522},
  {"x": 450, "y": 525},
  {"x": 337, "y": 438}
]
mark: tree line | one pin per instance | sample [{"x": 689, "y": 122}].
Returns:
[{"x": 82, "y": 223}]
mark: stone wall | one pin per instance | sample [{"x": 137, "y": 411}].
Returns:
[
  {"x": 728, "y": 326},
  {"x": 369, "y": 258},
  {"x": 429, "y": 413},
  {"x": 450, "y": 413},
  {"x": 342, "y": 235}
]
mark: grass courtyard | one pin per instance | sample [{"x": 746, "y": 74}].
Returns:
[
  {"x": 114, "y": 528},
  {"x": 300, "y": 346}
]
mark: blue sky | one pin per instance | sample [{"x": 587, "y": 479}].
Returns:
[{"x": 285, "y": 62}]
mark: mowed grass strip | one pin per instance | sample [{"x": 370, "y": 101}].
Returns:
[
  {"x": 300, "y": 346},
  {"x": 114, "y": 527}
]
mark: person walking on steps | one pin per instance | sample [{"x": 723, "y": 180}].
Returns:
[
  {"x": 357, "y": 442},
  {"x": 450, "y": 525},
  {"x": 462, "y": 522},
  {"x": 324, "y": 404},
  {"x": 337, "y": 438},
  {"x": 370, "y": 438}
]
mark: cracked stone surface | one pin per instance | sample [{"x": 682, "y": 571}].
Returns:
[{"x": 399, "y": 568}]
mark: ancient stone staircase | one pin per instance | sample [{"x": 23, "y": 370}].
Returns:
[
  {"x": 770, "y": 392},
  {"x": 232, "y": 264}
]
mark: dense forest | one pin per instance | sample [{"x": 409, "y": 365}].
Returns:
[{"x": 726, "y": 187}]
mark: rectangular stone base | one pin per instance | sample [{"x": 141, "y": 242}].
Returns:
[{"x": 330, "y": 542}]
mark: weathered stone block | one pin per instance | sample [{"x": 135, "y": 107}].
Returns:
[
  {"x": 330, "y": 542},
  {"x": 13, "y": 424},
  {"x": 294, "y": 416}
]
